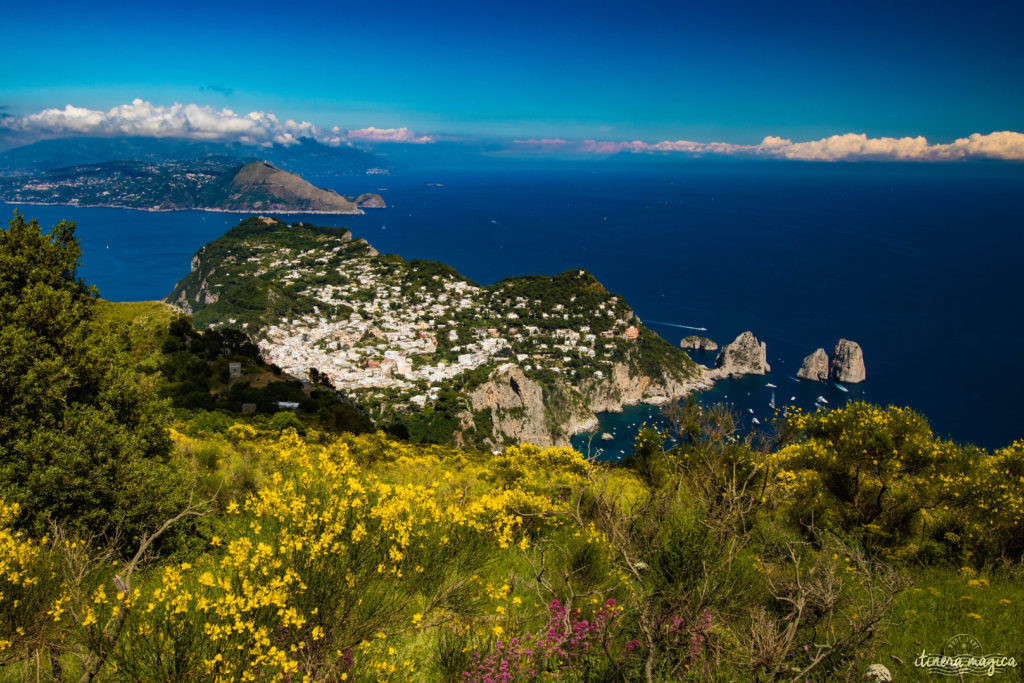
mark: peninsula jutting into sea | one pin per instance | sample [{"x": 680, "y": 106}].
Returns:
[
  {"x": 208, "y": 184},
  {"x": 526, "y": 359}
]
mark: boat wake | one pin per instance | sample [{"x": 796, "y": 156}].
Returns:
[{"x": 685, "y": 327}]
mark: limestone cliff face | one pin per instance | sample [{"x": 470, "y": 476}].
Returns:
[
  {"x": 744, "y": 356},
  {"x": 517, "y": 403},
  {"x": 201, "y": 294},
  {"x": 847, "y": 363},
  {"x": 698, "y": 343},
  {"x": 624, "y": 387},
  {"x": 815, "y": 366}
]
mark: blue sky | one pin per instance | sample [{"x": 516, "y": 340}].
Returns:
[{"x": 734, "y": 71}]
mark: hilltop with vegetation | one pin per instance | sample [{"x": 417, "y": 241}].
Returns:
[
  {"x": 435, "y": 355},
  {"x": 144, "y": 543},
  {"x": 214, "y": 183}
]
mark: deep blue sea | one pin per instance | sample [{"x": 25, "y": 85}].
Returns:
[{"x": 919, "y": 263}]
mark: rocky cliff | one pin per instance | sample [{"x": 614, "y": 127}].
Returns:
[
  {"x": 744, "y": 356},
  {"x": 522, "y": 409},
  {"x": 847, "y": 362},
  {"x": 815, "y": 366}
]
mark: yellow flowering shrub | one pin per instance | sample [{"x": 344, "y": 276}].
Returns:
[
  {"x": 324, "y": 563},
  {"x": 982, "y": 511},
  {"x": 28, "y": 586}
]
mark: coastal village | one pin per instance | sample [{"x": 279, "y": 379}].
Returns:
[
  {"x": 413, "y": 342},
  {"x": 383, "y": 326}
]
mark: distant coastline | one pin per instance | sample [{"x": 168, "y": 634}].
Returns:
[{"x": 357, "y": 212}]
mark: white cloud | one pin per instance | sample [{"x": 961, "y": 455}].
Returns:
[
  {"x": 849, "y": 146},
  {"x": 203, "y": 122},
  {"x": 141, "y": 118},
  {"x": 1000, "y": 145},
  {"x": 402, "y": 134}
]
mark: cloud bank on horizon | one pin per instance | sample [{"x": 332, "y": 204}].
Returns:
[
  {"x": 1007, "y": 145},
  {"x": 203, "y": 122},
  {"x": 193, "y": 121}
]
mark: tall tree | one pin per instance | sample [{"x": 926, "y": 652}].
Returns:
[{"x": 83, "y": 438}]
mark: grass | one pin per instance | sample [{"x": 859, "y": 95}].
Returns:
[
  {"x": 943, "y": 603},
  {"x": 146, "y": 322},
  {"x": 144, "y": 313}
]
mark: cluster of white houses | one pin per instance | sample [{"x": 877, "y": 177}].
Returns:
[{"x": 390, "y": 339}]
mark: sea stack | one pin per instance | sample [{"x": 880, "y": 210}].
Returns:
[
  {"x": 698, "y": 343},
  {"x": 815, "y": 366},
  {"x": 744, "y": 356},
  {"x": 847, "y": 363}
]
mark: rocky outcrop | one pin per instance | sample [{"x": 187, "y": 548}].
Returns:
[
  {"x": 847, "y": 363},
  {"x": 815, "y": 366},
  {"x": 517, "y": 406},
  {"x": 744, "y": 356},
  {"x": 370, "y": 200},
  {"x": 698, "y": 343}
]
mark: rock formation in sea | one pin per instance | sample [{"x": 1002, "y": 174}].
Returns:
[
  {"x": 698, "y": 343},
  {"x": 815, "y": 366},
  {"x": 744, "y": 356},
  {"x": 847, "y": 363}
]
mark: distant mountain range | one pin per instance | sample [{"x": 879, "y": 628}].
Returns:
[
  {"x": 306, "y": 157},
  {"x": 216, "y": 183}
]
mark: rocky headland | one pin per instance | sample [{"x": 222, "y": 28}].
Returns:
[{"x": 416, "y": 343}]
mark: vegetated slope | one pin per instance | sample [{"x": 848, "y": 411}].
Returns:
[
  {"x": 528, "y": 358},
  {"x": 332, "y": 556}
]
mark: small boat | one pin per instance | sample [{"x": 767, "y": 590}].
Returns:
[
  {"x": 840, "y": 387},
  {"x": 821, "y": 399},
  {"x": 792, "y": 398},
  {"x": 606, "y": 437},
  {"x": 756, "y": 421},
  {"x": 770, "y": 385},
  {"x": 771, "y": 403},
  {"x": 750, "y": 410}
]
